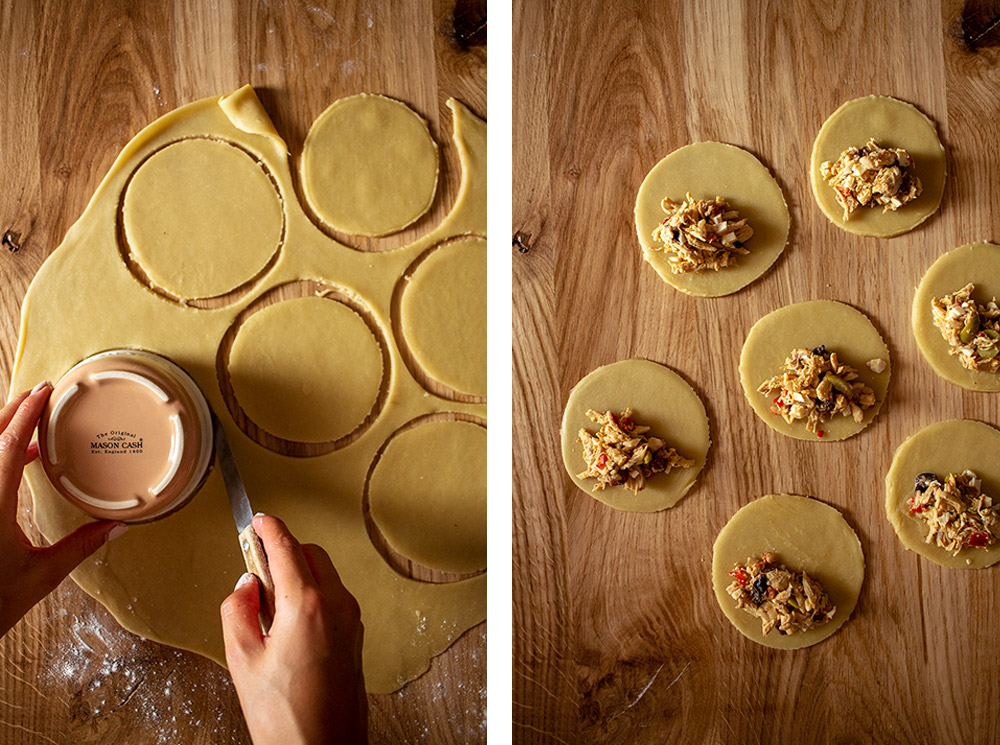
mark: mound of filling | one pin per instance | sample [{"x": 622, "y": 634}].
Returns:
[
  {"x": 872, "y": 176},
  {"x": 621, "y": 453},
  {"x": 700, "y": 234},
  {"x": 955, "y": 511},
  {"x": 816, "y": 386},
  {"x": 780, "y": 597},
  {"x": 971, "y": 329}
]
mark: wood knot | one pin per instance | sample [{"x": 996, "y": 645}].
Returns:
[
  {"x": 468, "y": 24},
  {"x": 980, "y": 24},
  {"x": 522, "y": 241},
  {"x": 12, "y": 241}
]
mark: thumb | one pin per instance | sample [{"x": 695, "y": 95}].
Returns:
[
  {"x": 240, "y": 622},
  {"x": 63, "y": 557}
]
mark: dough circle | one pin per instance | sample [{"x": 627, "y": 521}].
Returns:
[
  {"x": 843, "y": 330},
  {"x": 944, "y": 447},
  {"x": 448, "y": 339},
  {"x": 709, "y": 170},
  {"x": 892, "y": 123},
  {"x": 369, "y": 166},
  {"x": 427, "y": 495},
  {"x": 660, "y": 399},
  {"x": 306, "y": 370},
  {"x": 183, "y": 199},
  {"x": 978, "y": 263},
  {"x": 807, "y": 535}
]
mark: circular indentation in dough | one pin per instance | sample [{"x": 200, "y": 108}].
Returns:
[
  {"x": 660, "y": 399},
  {"x": 807, "y": 535},
  {"x": 891, "y": 123},
  {"x": 839, "y": 327},
  {"x": 708, "y": 170},
  {"x": 369, "y": 166},
  {"x": 978, "y": 263},
  {"x": 201, "y": 217},
  {"x": 442, "y": 314},
  {"x": 426, "y": 493},
  {"x": 306, "y": 370},
  {"x": 943, "y": 448}
]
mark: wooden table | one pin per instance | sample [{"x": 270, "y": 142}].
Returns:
[
  {"x": 77, "y": 81},
  {"x": 618, "y": 636}
]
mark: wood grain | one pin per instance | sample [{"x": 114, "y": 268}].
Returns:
[
  {"x": 77, "y": 81},
  {"x": 617, "y": 634}
]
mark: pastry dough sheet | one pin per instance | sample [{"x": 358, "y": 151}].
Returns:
[
  {"x": 892, "y": 123},
  {"x": 709, "y": 170},
  {"x": 942, "y": 448},
  {"x": 807, "y": 535},
  {"x": 660, "y": 399},
  {"x": 843, "y": 330},
  {"x": 978, "y": 263}
]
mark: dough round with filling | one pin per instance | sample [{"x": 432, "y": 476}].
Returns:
[
  {"x": 708, "y": 170},
  {"x": 306, "y": 370},
  {"x": 807, "y": 535},
  {"x": 942, "y": 448},
  {"x": 978, "y": 263},
  {"x": 369, "y": 166},
  {"x": 839, "y": 327},
  {"x": 201, "y": 218},
  {"x": 427, "y": 495},
  {"x": 448, "y": 339},
  {"x": 660, "y": 399},
  {"x": 892, "y": 123}
]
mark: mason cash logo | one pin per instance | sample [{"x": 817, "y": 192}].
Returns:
[{"x": 116, "y": 442}]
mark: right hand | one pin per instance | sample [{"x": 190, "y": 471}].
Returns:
[{"x": 303, "y": 682}]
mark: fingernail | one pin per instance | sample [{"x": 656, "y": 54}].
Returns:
[
  {"x": 116, "y": 531},
  {"x": 40, "y": 387},
  {"x": 246, "y": 579},
  {"x": 258, "y": 514}
]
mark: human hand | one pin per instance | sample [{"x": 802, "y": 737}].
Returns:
[
  {"x": 302, "y": 684},
  {"x": 29, "y": 573}
]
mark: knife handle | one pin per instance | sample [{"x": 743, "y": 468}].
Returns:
[{"x": 256, "y": 561}]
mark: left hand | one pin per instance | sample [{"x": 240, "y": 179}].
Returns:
[{"x": 29, "y": 573}]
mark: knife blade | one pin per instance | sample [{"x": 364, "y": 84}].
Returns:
[{"x": 252, "y": 549}]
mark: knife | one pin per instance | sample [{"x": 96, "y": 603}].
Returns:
[{"x": 250, "y": 545}]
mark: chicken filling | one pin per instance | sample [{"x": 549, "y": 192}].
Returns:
[
  {"x": 700, "y": 234},
  {"x": 971, "y": 329},
  {"x": 872, "y": 176},
  {"x": 621, "y": 452},
  {"x": 955, "y": 511},
  {"x": 780, "y": 597}
]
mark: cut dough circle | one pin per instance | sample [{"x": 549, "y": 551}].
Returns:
[
  {"x": 369, "y": 166},
  {"x": 807, "y": 535},
  {"x": 892, "y": 123},
  {"x": 306, "y": 370},
  {"x": 709, "y": 170},
  {"x": 182, "y": 199},
  {"x": 942, "y": 448},
  {"x": 843, "y": 330},
  {"x": 660, "y": 399},
  {"x": 978, "y": 263},
  {"x": 427, "y": 495},
  {"x": 448, "y": 339}
]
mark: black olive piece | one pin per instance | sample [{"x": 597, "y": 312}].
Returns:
[
  {"x": 758, "y": 590},
  {"x": 675, "y": 233},
  {"x": 923, "y": 481},
  {"x": 738, "y": 244},
  {"x": 820, "y": 350}
]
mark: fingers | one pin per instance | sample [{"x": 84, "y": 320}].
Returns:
[
  {"x": 63, "y": 557},
  {"x": 31, "y": 453},
  {"x": 7, "y": 412},
  {"x": 240, "y": 624},
  {"x": 321, "y": 567},
  {"x": 14, "y": 442},
  {"x": 288, "y": 565}
]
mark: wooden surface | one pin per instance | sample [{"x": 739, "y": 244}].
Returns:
[
  {"x": 618, "y": 636},
  {"x": 77, "y": 81}
]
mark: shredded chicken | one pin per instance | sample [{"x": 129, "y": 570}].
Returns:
[
  {"x": 701, "y": 234},
  {"x": 872, "y": 176},
  {"x": 622, "y": 453},
  {"x": 816, "y": 386},
  {"x": 780, "y": 597},
  {"x": 956, "y": 512},
  {"x": 971, "y": 329}
]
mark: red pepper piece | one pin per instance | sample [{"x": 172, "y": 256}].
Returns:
[
  {"x": 602, "y": 461},
  {"x": 740, "y": 576},
  {"x": 627, "y": 423},
  {"x": 978, "y": 540},
  {"x": 820, "y": 433}
]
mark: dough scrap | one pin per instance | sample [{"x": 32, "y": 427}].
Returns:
[
  {"x": 165, "y": 580},
  {"x": 708, "y": 170},
  {"x": 943, "y": 447},
  {"x": 892, "y": 123},
  {"x": 182, "y": 199},
  {"x": 427, "y": 495},
  {"x": 341, "y": 184},
  {"x": 448, "y": 339},
  {"x": 660, "y": 399},
  {"x": 841, "y": 329},
  {"x": 807, "y": 535},
  {"x": 978, "y": 263}
]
